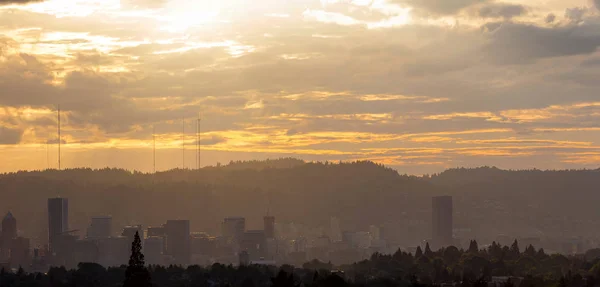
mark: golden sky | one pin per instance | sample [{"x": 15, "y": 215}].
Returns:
[{"x": 419, "y": 85}]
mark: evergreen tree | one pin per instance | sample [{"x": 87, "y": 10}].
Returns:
[
  {"x": 419, "y": 252},
  {"x": 514, "y": 248},
  {"x": 473, "y": 247},
  {"x": 137, "y": 274},
  {"x": 428, "y": 251},
  {"x": 530, "y": 250}
]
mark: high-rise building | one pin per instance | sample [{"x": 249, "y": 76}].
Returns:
[
  {"x": 441, "y": 233},
  {"x": 100, "y": 227},
  {"x": 234, "y": 228},
  {"x": 178, "y": 241},
  {"x": 269, "y": 226},
  {"x": 58, "y": 218},
  {"x": 9, "y": 226},
  {"x": 9, "y": 233}
]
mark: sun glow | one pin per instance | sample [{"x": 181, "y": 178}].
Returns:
[{"x": 182, "y": 15}]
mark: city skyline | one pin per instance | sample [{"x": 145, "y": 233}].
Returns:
[{"x": 420, "y": 86}]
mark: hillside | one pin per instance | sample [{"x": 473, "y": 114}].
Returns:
[{"x": 488, "y": 201}]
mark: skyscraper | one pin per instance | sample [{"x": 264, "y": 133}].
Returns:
[
  {"x": 269, "y": 226},
  {"x": 9, "y": 233},
  {"x": 178, "y": 241},
  {"x": 58, "y": 218},
  {"x": 441, "y": 233},
  {"x": 9, "y": 226}
]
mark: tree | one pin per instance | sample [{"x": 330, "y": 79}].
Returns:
[
  {"x": 514, "y": 248},
  {"x": 283, "y": 280},
  {"x": 419, "y": 252},
  {"x": 473, "y": 247},
  {"x": 137, "y": 274},
  {"x": 428, "y": 251}
]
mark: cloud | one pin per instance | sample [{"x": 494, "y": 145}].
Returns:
[
  {"x": 8, "y": 2},
  {"x": 550, "y": 18},
  {"x": 145, "y": 4},
  {"x": 212, "y": 140},
  {"x": 501, "y": 10},
  {"x": 9, "y": 136},
  {"x": 440, "y": 7},
  {"x": 576, "y": 14},
  {"x": 522, "y": 43}
]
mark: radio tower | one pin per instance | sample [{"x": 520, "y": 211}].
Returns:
[
  {"x": 59, "y": 138},
  {"x": 153, "y": 149},
  {"x": 183, "y": 144},
  {"x": 198, "y": 143}
]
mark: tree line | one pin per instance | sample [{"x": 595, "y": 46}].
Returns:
[{"x": 474, "y": 267}]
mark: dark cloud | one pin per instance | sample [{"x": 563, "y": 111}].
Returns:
[
  {"x": 441, "y": 7},
  {"x": 576, "y": 14},
  {"x": 501, "y": 10},
  {"x": 550, "y": 18},
  {"x": 10, "y": 136},
  {"x": 520, "y": 43},
  {"x": 212, "y": 140}
]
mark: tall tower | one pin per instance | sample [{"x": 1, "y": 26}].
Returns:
[
  {"x": 58, "y": 218},
  {"x": 269, "y": 226},
  {"x": 9, "y": 233},
  {"x": 9, "y": 226},
  {"x": 441, "y": 233}
]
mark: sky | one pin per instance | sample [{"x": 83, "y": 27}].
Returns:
[{"x": 418, "y": 85}]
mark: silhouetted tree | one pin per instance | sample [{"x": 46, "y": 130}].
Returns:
[
  {"x": 473, "y": 247},
  {"x": 283, "y": 280},
  {"x": 514, "y": 248},
  {"x": 428, "y": 251},
  {"x": 419, "y": 252},
  {"x": 136, "y": 274}
]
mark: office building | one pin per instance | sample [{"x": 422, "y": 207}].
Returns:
[
  {"x": 9, "y": 233},
  {"x": 255, "y": 243},
  {"x": 441, "y": 233},
  {"x": 9, "y": 226},
  {"x": 129, "y": 232},
  {"x": 234, "y": 228},
  {"x": 178, "y": 241},
  {"x": 153, "y": 231},
  {"x": 153, "y": 250},
  {"x": 269, "y": 226},
  {"x": 114, "y": 251},
  {"x": 20, "y": 253},
  {"x": 58, "y": 218},
  {"x": 100, "y": 227}
]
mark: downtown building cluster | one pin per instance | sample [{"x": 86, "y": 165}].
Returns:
[{"x": 174, "y": 243}]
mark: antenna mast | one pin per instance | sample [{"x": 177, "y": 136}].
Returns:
[
  {"x": 153, "y": 149},
  {"x": 183, "y": 144},
  {"x": 59, "y": 138},
  {"x": 198, "y": 143}
]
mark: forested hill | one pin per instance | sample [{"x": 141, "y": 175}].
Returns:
[{"x": 360, "y": 194}]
